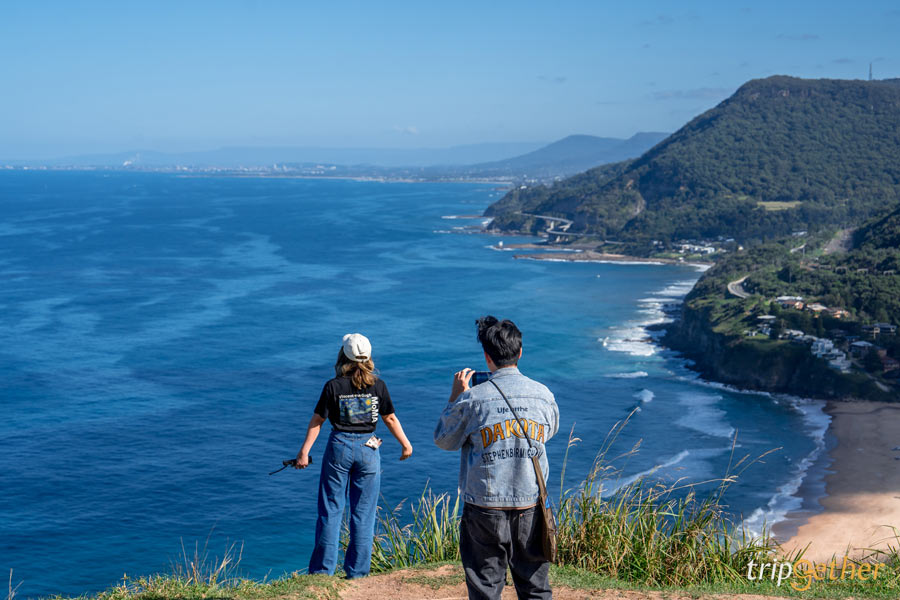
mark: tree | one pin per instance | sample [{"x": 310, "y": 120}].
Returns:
[{"x": 871, "y": 362}]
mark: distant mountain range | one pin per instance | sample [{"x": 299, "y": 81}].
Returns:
[
  {"x": 782, "y": 154},
  {"x": 570, "y": 155},
  {"x": 478, "y": 161}
]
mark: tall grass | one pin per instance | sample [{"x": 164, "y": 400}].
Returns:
[
  {"x": 199, "y": 568},
  {"x": 432, "y": 536},
  {"x": 639, "y": 533},
  {"x": 651, "y": 533},
  {"x": 11, "y": 594}
]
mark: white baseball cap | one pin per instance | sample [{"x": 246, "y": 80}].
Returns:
[{"x": 357, "y": 347}]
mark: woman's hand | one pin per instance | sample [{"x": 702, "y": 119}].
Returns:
[
  {"x": 406, "y": 452},
  {"x": 302, "y": 460},
  {"x": 460, "y": 383}
]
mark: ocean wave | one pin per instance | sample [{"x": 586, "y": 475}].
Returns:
[
  {"x": 677, "y": 289},
  {"x": 626, "y": 481},
  {"x": 633, "y": 337},
  {"x": 816, "y": 422},
  {"x": 629, "y": 375},
  {"x": 786, "y": 498},
  {"x": 703, "y": 415},
  {"x": 633, "y": 340},
  {"x": 645, "y": 395}
]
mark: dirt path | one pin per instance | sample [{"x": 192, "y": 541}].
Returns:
[
  {"x": 447, "y": 583},
  {"x": 840, "y": 243}
]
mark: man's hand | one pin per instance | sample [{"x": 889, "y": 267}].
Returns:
[
  {"x": 406, "y": 452},
  {"x": 302, "y": 460},
  {"x": 460, "y": 383}
]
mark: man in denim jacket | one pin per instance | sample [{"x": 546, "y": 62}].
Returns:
[{"x": 500, "y": 524}]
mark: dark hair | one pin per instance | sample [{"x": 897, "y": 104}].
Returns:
[
  {"x": 501, "y": 340},
  {"x": 362, "y": 374}
]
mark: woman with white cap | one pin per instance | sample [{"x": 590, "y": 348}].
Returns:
[{"x": 353, "y": 402}]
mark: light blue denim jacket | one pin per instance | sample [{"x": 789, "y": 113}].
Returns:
[{"x": 495, "y": 467}]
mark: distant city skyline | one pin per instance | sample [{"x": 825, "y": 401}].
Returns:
[{"x": 100, "y": 77}]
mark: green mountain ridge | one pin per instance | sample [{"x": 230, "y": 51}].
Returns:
[
  {"x": 781, "y": 154},
  {"x": 575, "y": 153}
]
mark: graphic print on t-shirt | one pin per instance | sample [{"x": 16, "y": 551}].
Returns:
[{"x": 358, "y": 409}]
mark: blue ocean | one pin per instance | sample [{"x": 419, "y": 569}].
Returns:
[{"x": 164, "y": 339}]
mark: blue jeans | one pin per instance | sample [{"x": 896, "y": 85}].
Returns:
[{"x": 350, "y": 469}]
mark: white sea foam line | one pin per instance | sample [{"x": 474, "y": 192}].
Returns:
[
  {"x": 628, "y": 375},
  {"x": 785, "y": 498},
  {"x": 620, "y": 483},
  {"x": 633, "y": 338},
  {"x": 703, "y": 415}
]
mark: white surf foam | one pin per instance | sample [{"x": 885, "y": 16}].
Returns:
[
  {"x": 617, "y": 484},
  {"x": 703, "y": 415},
  {"x": 633, "y": 337},
  {"x": 786, "y": 498},
  {"x": 645, "y": 395},
  {"x": 631, "y": 375}
]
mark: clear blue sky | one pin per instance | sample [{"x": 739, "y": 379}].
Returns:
[{"x": 80, "y": 77}]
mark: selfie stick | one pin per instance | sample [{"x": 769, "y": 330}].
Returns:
[{"x": 289, "y": 463}]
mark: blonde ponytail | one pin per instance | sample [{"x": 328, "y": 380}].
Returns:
[{"x": 362, "y": 374}]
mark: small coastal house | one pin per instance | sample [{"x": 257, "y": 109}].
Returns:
[
  {"x": 821, "y": 346},
  {"x": 861, "y": 348},
  {"x": 886, "y": 328},
  {"x": 816, "y": 307},
  {"x": 793, "y": 333},
  {"x": 841, "y": 364},
  {"x": 872, "y": 330},
  {"x": 889, "y": 364},
  {"x": 838, "y": 313},
  {"x": 795, "y": 302},
  {"x": 766, "y": 318}
]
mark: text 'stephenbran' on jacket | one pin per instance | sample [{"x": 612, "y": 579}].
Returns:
[{"x": 495, "y": 464}]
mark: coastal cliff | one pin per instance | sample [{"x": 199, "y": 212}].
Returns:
[{"x": 760, "y": 365}]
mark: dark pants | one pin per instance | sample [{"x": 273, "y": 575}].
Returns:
[{"x": 490, "y": 539}]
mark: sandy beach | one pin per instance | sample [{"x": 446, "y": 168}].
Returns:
[{"x": 862, "y": 487}]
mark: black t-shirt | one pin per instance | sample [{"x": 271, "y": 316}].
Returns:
[{"x": 353, "y": 410}]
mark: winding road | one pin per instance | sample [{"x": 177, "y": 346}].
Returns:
[{"x": 736, "y": 289}]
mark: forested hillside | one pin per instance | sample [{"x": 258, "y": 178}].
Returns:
[{"x": 782, "y": 154}]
